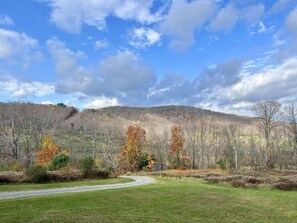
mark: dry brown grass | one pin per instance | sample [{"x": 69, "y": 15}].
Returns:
[
  {"x": 282, "y": 180},
  {"x": 191, "y": 173},
  {"x": 11, "y": 177}
]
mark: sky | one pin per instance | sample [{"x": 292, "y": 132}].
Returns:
[{"x": 223, "y": 55}]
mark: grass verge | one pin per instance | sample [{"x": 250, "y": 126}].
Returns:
[
  {"x": 167, "y": 200},
  {"x": 35, "y": 186}
]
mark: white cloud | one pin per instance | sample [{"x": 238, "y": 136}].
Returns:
[
  {"x": 144, "y": 37},
  {"x": 101, "y": 44},
  {"x": 261, "y": 28},
  {"x": 71, "y": 76},
  {"x": 47, "y": 103},
  {"x": 241, "y": 108},
  {"x": 291, "y": 21},
  {"x": 281, "y": 5},
  {"x": 122, "y": 75},
  {"x": 125, "y": 73},
  {"x": 183, "y": 19},
  {"x": 228, "y": 16},
  {"x": 70, "y": 15},
  {"x": 22, "y": 89},
  {"x": 252, "y": 14},
  {"x": 225, "y": 19},
  {"x": 138, "y": 10},
  {"x": 232, "y": 86},
  {"x": 278, "y": 39},
  {"x": 277, "y": 82},
  {"x": 101, "y": 102},
  {"x": 6, "y": 20},
  {"x": 17, "y": 46},
  {"x": 268, "y": 84}
]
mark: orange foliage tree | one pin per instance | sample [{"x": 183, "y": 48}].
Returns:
[
  {"x": 134, "y": 142},
  {"x": 177, "y": 152},
  {"x": 48, "y": 151}
]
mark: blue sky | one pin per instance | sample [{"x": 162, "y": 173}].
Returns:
[{"x": 214, "y": 54}]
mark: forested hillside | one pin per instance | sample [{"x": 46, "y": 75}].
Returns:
[{"x": 206, "y": 139}]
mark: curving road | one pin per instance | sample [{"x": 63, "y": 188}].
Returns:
[{"x": 138, "y": 181}]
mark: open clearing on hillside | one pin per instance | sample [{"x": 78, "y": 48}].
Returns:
[{"x": 167, "y": 200}]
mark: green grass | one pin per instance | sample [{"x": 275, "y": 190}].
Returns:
[
  {"x": 167, "y": 200},
  {"x": 34, "y": 186}
]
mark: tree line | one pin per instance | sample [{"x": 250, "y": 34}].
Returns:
[{"x": 152, "y": 142}]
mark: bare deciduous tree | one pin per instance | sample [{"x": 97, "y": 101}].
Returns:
[
  {"x": 232, "y": 143},
  {"x": 195, "y": 134},
  {"x": 267, "y": 112},
  {"x": 159, "y": 145},
  {"x": 290, "y": 118},
  {"x": 10, "y": 130}
]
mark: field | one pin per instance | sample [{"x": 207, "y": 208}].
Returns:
[{"x": 167, "y": 200}]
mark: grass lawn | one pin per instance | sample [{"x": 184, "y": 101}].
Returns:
[
  {"x": 167, "y": 200},
  {"x": 33, "y": 186}
]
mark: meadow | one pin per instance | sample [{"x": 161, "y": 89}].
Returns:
[{"x": 167, "y": 200}]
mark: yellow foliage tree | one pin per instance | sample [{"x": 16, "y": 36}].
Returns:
[
  {"x": 151, "y": 162},
  {"x": 48, "y": 151},
  {"x": 134, "y": 141}
]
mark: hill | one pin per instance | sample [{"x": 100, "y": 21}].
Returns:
[{"x": 173, "y": 112}]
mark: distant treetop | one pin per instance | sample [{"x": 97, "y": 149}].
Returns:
[{"x": 61, "y": 105}]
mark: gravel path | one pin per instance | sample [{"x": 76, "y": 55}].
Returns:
[{"x": 139, "y": 181}]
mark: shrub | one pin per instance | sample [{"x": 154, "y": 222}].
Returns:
[
  {"x": 10, "y": 177},
  {"x": 143, "y": 161},
  {"x": 289, "y": 186},
  {"x": 101, "y": 174},
  {"x": 254, "y": 180},
  {"x": 37, "y": 174},
  {"x": 59, "y": 161},
  {"x": 5, "y": 179},
  {"x": 87, "y": 166},
  {"x": 65, "y": 174},
  {"x": 214, "y": 180},
  {"x": 233, "y": 177},
  {"x": 11, "y": 166},
  {"x": 222, "y": 164},
  {"x": 238, "y": 183},
  {"x": 17, "y": 167}
]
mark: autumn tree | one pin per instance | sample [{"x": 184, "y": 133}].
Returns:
[
  {"x": 177, "y": 153},
  {"x": 146, "y": 161},
  {"x": 48, "y": 151},
  {"x": 134, "y": 142},
  {"x": 150, "y": 162}
]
